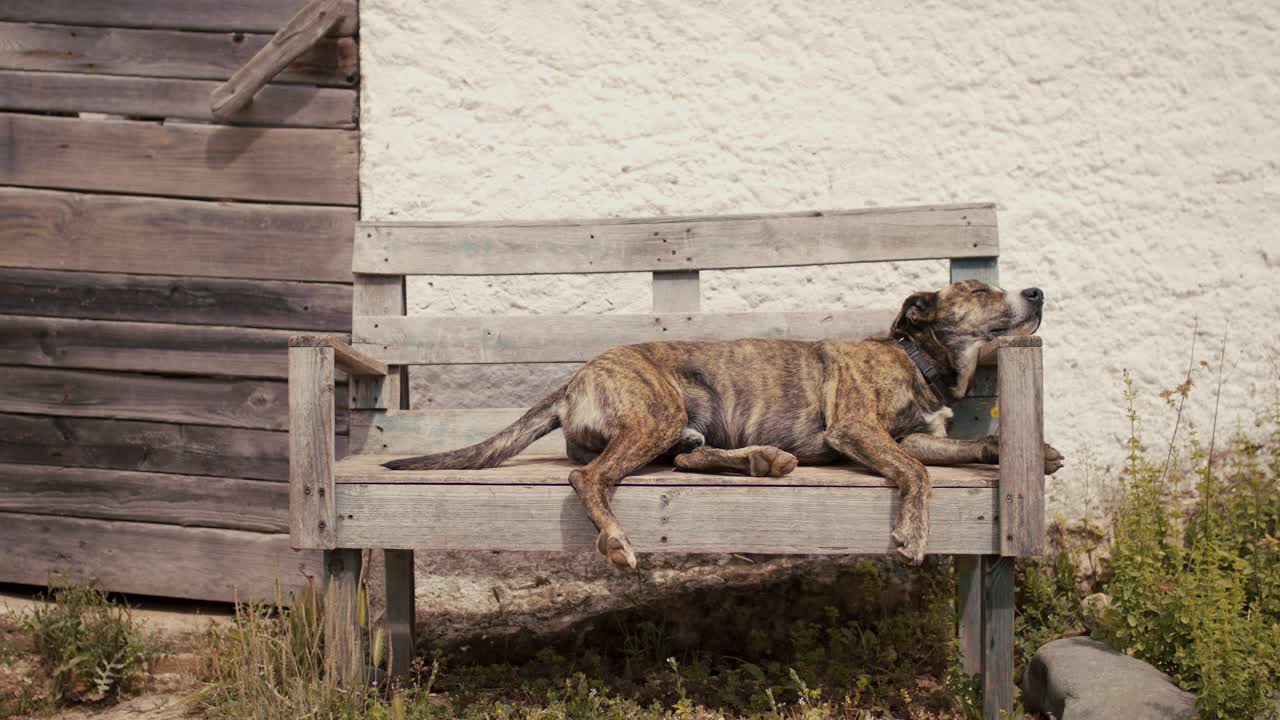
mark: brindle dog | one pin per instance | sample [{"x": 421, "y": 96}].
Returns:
[{"x": 761, "y": 406}]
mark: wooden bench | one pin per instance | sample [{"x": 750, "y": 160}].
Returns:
[{"x": 983, "y": 515}]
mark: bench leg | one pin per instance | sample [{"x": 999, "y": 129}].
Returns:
[
  {"x": 997, "y": 636},
  {"x": 399, "y": 616},
  {"x": 343, "y": 636},
  {"x": 969, "y": 612}
]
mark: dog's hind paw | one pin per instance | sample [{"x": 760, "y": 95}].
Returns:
[
  {"x": 767, "y": 461},
  {"x": 615, "y": 547}
]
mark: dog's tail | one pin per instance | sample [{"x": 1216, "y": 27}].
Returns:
[{"x": 540, "y": 420}]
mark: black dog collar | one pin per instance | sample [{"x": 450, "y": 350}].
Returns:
[{"x": 932, "y": 375}]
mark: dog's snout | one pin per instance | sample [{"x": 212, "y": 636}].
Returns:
[{"x": 1035, "y": 295}]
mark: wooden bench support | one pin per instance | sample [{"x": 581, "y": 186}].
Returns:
[
  {"x": 997, "y": 636},
  {"x": 343, "y": 635},
  {"x": 399, "y": 617}
]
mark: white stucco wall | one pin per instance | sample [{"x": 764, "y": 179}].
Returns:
[{"x": 1133, "y": 150}]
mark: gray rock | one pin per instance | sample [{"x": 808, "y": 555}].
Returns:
[{"x": 1084, "y": 679}]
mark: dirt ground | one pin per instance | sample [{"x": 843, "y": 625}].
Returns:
[{"x": 181, "y": 625}]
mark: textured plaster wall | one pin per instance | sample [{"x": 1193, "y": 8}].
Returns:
[{"x": 1133, "y": 150}]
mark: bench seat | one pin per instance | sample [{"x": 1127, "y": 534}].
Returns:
[{"x": 527, "y": 504}]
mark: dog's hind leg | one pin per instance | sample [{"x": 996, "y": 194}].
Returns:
[
  {"x": 628, "y": 450},
  {"x": 756, "y": 461}
]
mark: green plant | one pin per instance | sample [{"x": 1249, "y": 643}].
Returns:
[
  {"x": 91, "y": 645},
  {"x": 1194, "y": 592}
]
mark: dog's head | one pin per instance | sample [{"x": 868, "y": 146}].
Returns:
[{"x": 958, "y": 319}]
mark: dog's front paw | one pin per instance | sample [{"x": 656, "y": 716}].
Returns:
[
  {"x": 1052, "y": 459},
  {"x": 911, "y": 540},
  {"x": 615, "y": 547}
]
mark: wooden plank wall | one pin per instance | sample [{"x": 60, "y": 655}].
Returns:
[{"x": 152, "y": 265}]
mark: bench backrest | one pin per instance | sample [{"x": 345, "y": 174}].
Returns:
[{"x": 516, "y": 358}]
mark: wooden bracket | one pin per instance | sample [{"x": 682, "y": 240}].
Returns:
[{"x": 303, "y": 30}]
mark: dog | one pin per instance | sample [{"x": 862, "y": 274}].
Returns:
[{"x": 761, "y": 407}]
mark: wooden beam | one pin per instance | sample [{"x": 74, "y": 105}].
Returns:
[
  {"x": 311, "y": 448},
  {"x": 345, "y": 357},
  {"x": 189, "y": 500},
  {"x": 1021, "y": 451},
  {"x": 554, "y": 470},
  {"x": 788, "y": 520},
  {"x": 380, "y": 295},
  {"x": 415, "y": 432},
  {"x": 997, "y": 637},
  {"x": 304, "y": 29},
  {"x": 185, "y": 300},
  {"x": 486, "y": 386},
  {"x": 165, "y": 53},
  {"x": 969, "y": 612},
  {"x": 676, "y": 243},
  {"x": 149, "y": 559},
  {"x": 143, "y": 347},
  {"x": 285, "y": 105},
  {"x": 225, "y": 15},
  {"x": 399, "y": 616},
  {"x": 677, "y": 292},
  {"x": 145, "y": 446},
  {"x": 565, "y": 338},
  {"x": 202, "y": 161},
  {"x": 344, "y": 647},
  {"x": 260, "y": 404}
]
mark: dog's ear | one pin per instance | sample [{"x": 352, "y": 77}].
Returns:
[{"x": 917, "y": 310}]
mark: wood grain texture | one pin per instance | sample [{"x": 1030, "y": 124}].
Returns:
[
  {"x": 344, "y": 647},
  {"x": 189, "y": 500},
  {"x": 43, "y": 229},
  {"x": 380, "y": 295},
  {"x": 677, "y": 292},
  {"x": 311, "y": 448},
  {"x": 415, "y": 432},
  {"x": 1021, "y": 451},
  {"x": 997, "y": 637},
  {"x": 284, "y": 105},
  {"x": 296, "y": 37},
  {"x": 164, "y": 53},
  {"x": 532, "y": 469},
  {"x": 261, "y": 404},
  {"x": 149, "y": 559},
  {"x": 144, "y": 446},
  {"x": 203, "y": 161},
  {"x": 676, "y": 243},
  {"x": 969, "y": 612},
  {"x": 143, "y": 347},
  {"x": 398, "y": 616},
  {"x": 570, "y": 338},
  {"x": 231, "y": 15},
  {"x": 771, "y": 519},
  {"x": 175, "y": 299},
  {"x": 344, "y": 356}
]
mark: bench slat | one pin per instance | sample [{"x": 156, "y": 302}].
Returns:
[
  {"x": 676, "y": 243},
  {"x": 451, "y": 339},
  {"x": 813, "y": 520},
  {"x": 537, "y": 469}
]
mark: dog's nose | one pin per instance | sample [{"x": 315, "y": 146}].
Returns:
[{"x": 1035, "y": 295}]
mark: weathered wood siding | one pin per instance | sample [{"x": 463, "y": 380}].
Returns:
[{"x": 152, "y": 267}]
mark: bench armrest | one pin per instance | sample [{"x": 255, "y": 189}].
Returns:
[
  {"x": 344, "y": 356},
  {"x": 990, "y": 353},
  {"x": 1021, "y": 409}
]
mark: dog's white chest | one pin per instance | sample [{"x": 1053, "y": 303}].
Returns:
[{"x": 937, "y": 422}]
